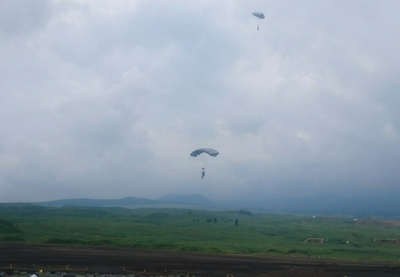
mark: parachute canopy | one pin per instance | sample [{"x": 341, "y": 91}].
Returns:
[
  {"x": 209, "y": 151},
  {"x": 259, "y": 15}
]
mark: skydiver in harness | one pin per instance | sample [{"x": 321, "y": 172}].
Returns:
[{"x": 209, "y": 151}]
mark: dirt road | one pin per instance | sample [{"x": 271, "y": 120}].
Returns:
[{"x": 89, "y": 259}]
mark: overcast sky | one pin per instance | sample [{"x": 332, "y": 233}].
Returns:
[{"x": 106, "y": 99}]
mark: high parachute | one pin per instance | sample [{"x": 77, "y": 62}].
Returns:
[
  {"x": 259, "y": 16},
  {"x": 209, "y": 151}
]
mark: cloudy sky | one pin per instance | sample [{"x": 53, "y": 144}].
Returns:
[{"x": 106, "y": 99}]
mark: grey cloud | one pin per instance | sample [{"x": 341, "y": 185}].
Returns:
[
  {"x": 23, "y": 18},
  {"x": 245, "y": 124},
  {"x": 92, "y": 97}
]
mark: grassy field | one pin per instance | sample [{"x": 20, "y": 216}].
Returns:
[{"x": 201, "y": 230}]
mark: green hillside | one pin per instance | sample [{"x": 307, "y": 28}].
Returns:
[{"x": 202, "y": 230}]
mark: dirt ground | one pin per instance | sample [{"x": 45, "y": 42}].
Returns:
[{"x": 89, "y": 260}]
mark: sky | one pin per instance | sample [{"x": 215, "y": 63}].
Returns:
[{"x": 107, "y": 99}]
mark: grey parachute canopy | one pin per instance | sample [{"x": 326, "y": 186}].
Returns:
[
  {"x": 209, "y": 151},
  {"x": 259, "y": 15}
]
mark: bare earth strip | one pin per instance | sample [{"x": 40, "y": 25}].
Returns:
[{"x": 89, "y": 259}]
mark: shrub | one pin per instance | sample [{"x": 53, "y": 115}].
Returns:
[
  {"x": 7, "y": 227},
  {"x": 244, "y": 212},
  {"x": 12, "y": 238}
]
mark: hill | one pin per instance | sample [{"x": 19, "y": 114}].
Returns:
[
  {"x": 190, "y": 199},
  {"x": 127, "y": 201},
  {"x": 323, "y": 204}
]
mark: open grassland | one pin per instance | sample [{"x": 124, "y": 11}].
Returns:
[{"x": 202, "y": 230}]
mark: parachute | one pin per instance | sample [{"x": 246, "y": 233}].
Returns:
[
  {"x": 209, "y": 151},
  {"x": 259, "y": 15}
]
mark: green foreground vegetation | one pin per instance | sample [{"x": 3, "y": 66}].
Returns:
[{"x": 202, "y": 230}]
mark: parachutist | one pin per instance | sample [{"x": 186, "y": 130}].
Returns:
[
  {"x": 209, "y": 151},
  {"x": 259, "y": 16}
]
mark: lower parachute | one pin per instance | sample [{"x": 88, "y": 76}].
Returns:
[{"x": 209, "y": 151}]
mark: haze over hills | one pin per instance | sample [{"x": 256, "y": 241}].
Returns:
[
  {"x": 126, "y": 201},
  {"x": 327, "y": 204},
  {"x": 192, "y": 199},
  {"x": 332, "y": 204}
]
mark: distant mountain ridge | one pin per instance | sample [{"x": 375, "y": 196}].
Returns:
[
  {"x": 191, "y": 199},
  {"x": 99, "y": 202},
  {"x": 324, "y": 204}
]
